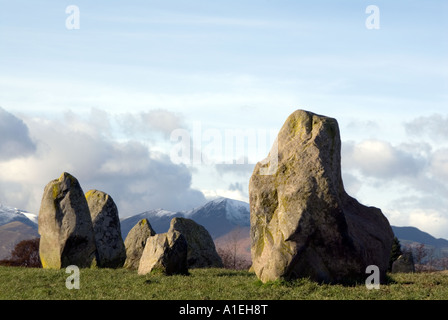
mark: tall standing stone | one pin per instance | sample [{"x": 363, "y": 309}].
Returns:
[
  {"x": 65, "y": 226},
  {"x": 303, "y": 223},
  {"x": 111, "y": 252},
  {"x": 135, "y": 243}
]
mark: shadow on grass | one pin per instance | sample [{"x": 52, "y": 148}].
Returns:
[
  {"x": 235, "y": 273},
  {"x": 298, "y": 282},
  {"x": 391, "y": 280},
  {"x": 151, "y": 281}
]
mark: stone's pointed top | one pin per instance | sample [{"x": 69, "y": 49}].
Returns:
[
  {"x": 65, "y": 182},
  {"x": 97, "y": 195},
  {"x": 304, "y": 115},
  {"x": 144, "y": 224},
  {"x": 304, "y": 125},
  {"x": 65, "y": 175}
]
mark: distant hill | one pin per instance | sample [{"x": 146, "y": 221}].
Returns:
[
  {"x": 415, "y": 235},
  {"x": 410, "y": 236},
  {"x": 219, "y": 217},
  {"x": 11, "y": 234},
  {"x": 15, "y": 225}
]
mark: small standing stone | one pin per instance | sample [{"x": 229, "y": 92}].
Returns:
[
  {"x": 135, "y": 243},
  {"x": 404, "y": 263},
  {"x": 165, "y": 253},
  {"x": 111, "y": 252}
]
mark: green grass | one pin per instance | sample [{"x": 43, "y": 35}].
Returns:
[{"x": 204, "y": 284}]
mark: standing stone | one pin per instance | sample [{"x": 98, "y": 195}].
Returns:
[
  {"x": 201, "y": 248},
  {"x": 65, "y": 226},
  {"x": 165, "y": 253},
  {"x": 404, "y": 263},
  {"x": 135, "y": 243},
  {"x": 111, "y": 252},
  {"x": 303, "y": 223}
]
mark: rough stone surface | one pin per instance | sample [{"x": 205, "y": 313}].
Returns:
[
  {"x": 135, "y": 243},
  {"x": 111, "y": 252},
  {"x": 303, "y": 223},
  {"x": 201, "y": 248},
  {"x": 165, "y": 253},
  {"x": 65, "y": 226},
  {"x": 404, "y": 263}
]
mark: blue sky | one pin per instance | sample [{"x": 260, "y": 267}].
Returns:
[{"x": 101, "y": 101}]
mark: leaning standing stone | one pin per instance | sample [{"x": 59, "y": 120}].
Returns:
[
  {"x": 111, "y": 252},
  {"x": 65, "y": 226},
  {"x": 136, "y": 241}
]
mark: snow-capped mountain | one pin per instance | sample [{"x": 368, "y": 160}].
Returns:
[
  {"x": 218, "y": 216},
  {"x": 15, "y": 225},
  {"x": 9, "y": 214},
  {"x": 236, "y": 212}
]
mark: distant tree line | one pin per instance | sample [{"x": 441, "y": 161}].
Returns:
[
  {"x": 25, "y": 254},
  {"x": 229, "y": 252},
  {"x": 425, "y": 257}
]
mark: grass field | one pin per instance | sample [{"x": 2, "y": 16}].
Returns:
[{"x": 205, "y": 284}]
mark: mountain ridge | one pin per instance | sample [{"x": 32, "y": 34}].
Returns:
[
  {"x": 409, "y": 233},
  {"x": 218, "y": 216},
  {"x": 11, "y": 214}
]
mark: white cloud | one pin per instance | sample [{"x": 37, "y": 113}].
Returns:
[
  {"x": 431, "y": 221},
  {"x": 408, "y": 181},
  {"x": 14, "y": 137},
  {"x": 379, "y": 159},
  {"x": 439, "y": 164},
  {"x": 158, "y": 120},
  {"x": 137, "y": 178},
  {"x": 226, "y": 193},
  {"x": 434, "y": 127},
  {"x": 435, "y": 222}
]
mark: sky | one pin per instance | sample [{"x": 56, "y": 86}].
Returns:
[{"x": 148, "y": 100}]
